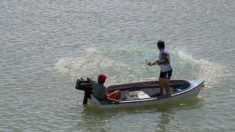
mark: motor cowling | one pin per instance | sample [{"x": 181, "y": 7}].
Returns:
[{"x": 83, "y": 85}]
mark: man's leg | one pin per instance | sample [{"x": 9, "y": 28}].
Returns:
[
  {"x": 167, "y": 82},
  {"x": 161, "y": 84},
  {"x": 166, "y": 85}
]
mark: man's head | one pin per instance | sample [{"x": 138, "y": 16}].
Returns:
[
  {"x": 160, "y": 44},
  {"x": 101, "y": 78}
]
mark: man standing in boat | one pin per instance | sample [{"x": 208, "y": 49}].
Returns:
[{"x": 165, "y": 65}]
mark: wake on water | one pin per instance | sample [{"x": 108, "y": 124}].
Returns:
[{"x": 92, "y": 62}]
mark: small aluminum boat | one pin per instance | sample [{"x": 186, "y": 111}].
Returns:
[{"x": 141, "y": 93}]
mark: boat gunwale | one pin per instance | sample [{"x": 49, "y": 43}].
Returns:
[{"x": 145, "y": 84}]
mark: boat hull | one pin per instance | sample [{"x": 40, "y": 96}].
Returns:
[{"x": 192, "y": 91}]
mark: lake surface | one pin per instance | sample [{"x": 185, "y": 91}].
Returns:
[{"x": 46, "y": 45}]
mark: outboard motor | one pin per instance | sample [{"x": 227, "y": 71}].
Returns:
[{"x": 85, "y": 86}]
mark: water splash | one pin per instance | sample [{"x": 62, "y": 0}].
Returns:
[
  {"x": 122, "y": 66},
  {"x": 200, "y": 68},
  {"x": 89, "y": 64}
]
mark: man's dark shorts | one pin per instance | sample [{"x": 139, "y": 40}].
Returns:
[{"x": 166, "y": 75}]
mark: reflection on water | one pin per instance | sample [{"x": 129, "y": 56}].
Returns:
[
  {"x": 164, "y": 121},
  {"x": 157, "y": 118},
  {"x": 168, "y": 112}
]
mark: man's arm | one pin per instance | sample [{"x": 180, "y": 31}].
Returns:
[
  {"x": 154, "y": 63},
  {"x": 164, "y": 62}
]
